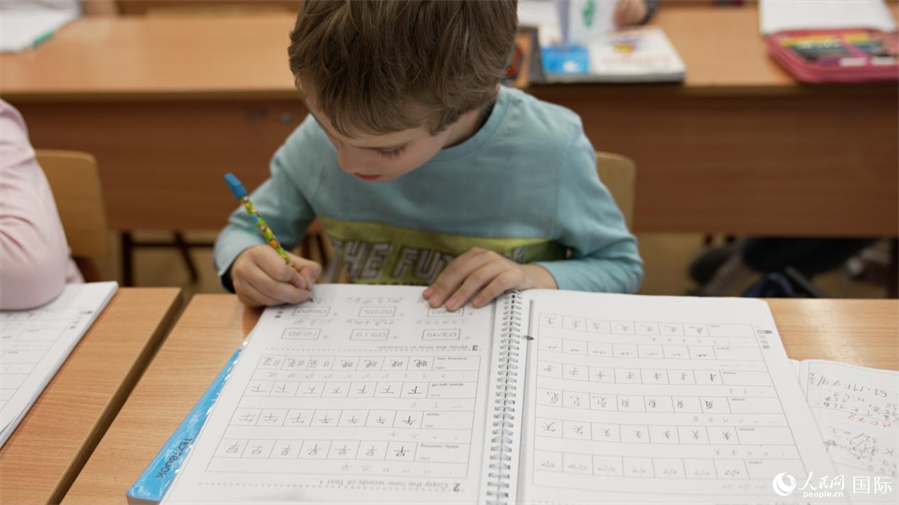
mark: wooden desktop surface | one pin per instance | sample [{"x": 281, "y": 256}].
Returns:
[
  {"x": 167, "y": 104},
  {"x": 209, "y": 56},
  {"x": 44, "y": 455},
  {"x": 861, "y": 332}
]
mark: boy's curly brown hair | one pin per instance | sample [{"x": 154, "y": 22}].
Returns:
[{"x": 382, "y": 66}]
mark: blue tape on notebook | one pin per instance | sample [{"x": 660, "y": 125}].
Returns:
[{"x": 159, "y": 474}]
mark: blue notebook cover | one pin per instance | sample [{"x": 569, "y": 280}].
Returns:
[{"x": 159, "y": 474}]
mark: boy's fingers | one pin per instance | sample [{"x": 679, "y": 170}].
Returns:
[
  {"x": 510, "y": 279},
  {"x": 309, "y": 270},
  {"x": 311, "y": 273},
  {"x": 248, "y": 291},
  {"x": 456, "y": 273},
  {"x": 275, "y": 267},
  {"x": 282, "y": 292},
  {"x": 249, "y": 302},
  {"x": 243, "y": 295},
  {"x": 474, "y": 282}
]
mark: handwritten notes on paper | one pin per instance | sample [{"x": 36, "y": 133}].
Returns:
[{"x": 857, "y": 411}]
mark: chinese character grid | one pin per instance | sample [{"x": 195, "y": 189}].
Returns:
[
  {"x": 606, "y": 384},
  {"x": 421, "y": 424}
]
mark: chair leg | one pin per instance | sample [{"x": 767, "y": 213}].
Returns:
[
  {"x": 127, "y": 242},
  {"x": 893, "y": 270},
  {"x": 183, "y": 248}
]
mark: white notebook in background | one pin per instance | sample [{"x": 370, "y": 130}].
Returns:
[
  {"x": 35, "y": 343},
  {"x": 368, "y": 395},
  {"x": 635, "y": 55},
  {"x": 781, "y": 15},
  {"x": 23, "y": 28}
]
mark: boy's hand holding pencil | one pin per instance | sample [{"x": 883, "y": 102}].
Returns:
[
  {"x": 267, "y": 274},
  {"x": 261, "y": 277}
]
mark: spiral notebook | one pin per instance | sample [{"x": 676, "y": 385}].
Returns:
[{"x": 368, "y": 395}]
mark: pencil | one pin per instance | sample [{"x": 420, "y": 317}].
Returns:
[{"x": 241, "y": 194}]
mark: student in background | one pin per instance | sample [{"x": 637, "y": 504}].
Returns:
[
  {"x": 634, "y": 12},
  {"x": 424, "y": 170},
  {"x": 34, "y": 258},
  {"x": 721, "y": 271}
]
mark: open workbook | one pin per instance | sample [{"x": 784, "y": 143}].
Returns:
[
  {"x": 35, "y": 343},
  {"x": 369, "y": 395}
]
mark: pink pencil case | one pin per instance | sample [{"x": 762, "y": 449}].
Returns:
[{"x": 845, "y": 55}]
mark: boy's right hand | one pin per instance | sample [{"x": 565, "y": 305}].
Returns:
[{"x": 261, "y": 277}]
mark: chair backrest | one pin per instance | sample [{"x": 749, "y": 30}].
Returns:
[
  {"x": 619, "y": 174},
  {"x": 75, "y": 181}
]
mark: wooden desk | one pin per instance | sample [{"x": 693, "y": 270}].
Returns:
[
  {"x": 49, "y": 447},
  {"x": 168, "y": 104},
  {"x": 859, "y": 332}
]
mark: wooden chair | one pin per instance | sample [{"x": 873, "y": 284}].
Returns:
[
  {"x": 75, "y": 181},
  {"x": 619, "y": 174}
]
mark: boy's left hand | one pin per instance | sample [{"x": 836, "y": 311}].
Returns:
[{"x": 486, "y": 274}]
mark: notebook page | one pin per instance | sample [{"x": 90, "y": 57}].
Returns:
[
  {"x": 20, "y": 30},
  {"x": 35, "y": 343},
  {"x": 364, "y": 395},
  {"x": 639, "y": 399},
  {"x": 857, "y": 414},
  {"x": 635, "y": 55},
  {"x": 780, "y": 15}
]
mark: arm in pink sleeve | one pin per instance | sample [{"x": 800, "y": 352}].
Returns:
[{"x": 34, "y": 257}]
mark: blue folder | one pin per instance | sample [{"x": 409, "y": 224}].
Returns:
[{"x": 159, "y": 474}]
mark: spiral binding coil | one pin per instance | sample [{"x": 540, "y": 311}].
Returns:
[{"x": 504, "y": 410}]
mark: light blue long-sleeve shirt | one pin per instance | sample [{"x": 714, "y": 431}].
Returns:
[{"x": 525, "y": 186}]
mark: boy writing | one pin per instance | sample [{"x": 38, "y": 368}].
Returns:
[{"x": 423, "y": 170}]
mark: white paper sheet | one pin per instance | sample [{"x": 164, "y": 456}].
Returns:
[
  {"x": 563, "y": 22},
  {"x": 585, "y": 21},
  {"x": 545, "y": 16},
  {"x": 781, "y": 15},
  {"x": 857, "y": 412},
  {"x": 638, "y": 55},
  {"x": 364, "y": 395},
  {"x": 25, "y": 22},
  {"x": 35, "y": 343},
  {"x": 663, "y": 400}
]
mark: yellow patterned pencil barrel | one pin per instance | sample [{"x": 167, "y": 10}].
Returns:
[
  {"x": 266, "y": 231},
  {"x": 241, "y": 194}
]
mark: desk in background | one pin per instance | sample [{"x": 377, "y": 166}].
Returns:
[
  {"x": 49, "y": 447},
  {"x": 859, "y": 332},
  {"x": 168, "y": 104}
]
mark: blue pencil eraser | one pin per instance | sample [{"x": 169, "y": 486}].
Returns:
[{"x": 235, "y": 186}]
